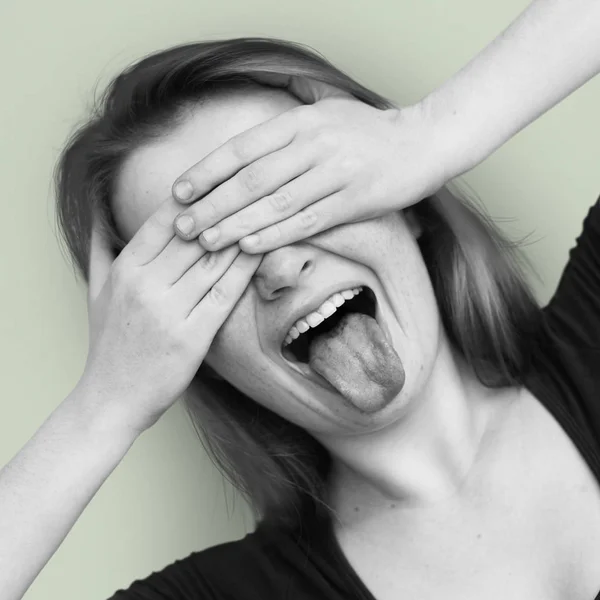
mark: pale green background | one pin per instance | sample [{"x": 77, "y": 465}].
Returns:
[{"x": 165, "y": 499}]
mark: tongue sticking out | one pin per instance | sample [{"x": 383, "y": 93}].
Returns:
[{"x": 356, "y": 358}]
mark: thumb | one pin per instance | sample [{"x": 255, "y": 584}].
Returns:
[
  {"x": 306, "y": 89},
  {"x": 100, "y": 262}
]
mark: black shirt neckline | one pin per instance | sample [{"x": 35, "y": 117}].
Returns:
[{"x": 321, "y": 533}]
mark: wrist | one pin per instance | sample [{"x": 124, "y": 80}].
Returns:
[
  {"x": 457, "y": 141},
  {"x": 100, "y": 414}
]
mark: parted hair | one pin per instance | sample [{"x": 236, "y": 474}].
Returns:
[{"x": 487, "y": 308}]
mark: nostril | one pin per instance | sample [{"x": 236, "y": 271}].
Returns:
[
  {"x": 276, "y": 293},
  {"x": 307, "y": 265}
]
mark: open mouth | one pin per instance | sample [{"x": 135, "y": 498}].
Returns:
[{"x": 364, "y": 302}]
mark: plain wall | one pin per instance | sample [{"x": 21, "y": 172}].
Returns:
[{"x": 166, "y": 499}]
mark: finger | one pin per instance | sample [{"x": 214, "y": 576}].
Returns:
[
  {"x": 273, "y": 79},
  {"x": 303, "y": 191},
  {"x": 195, "y": 283},
  {"x": 217, "y": 304},
  {"x": 177, "y": 257},
  {"x": 101, "y": 258},
  {"x": 320, "y": 216},
  {"x": 311, "y": 91},
  {"x": 306, "y": 89},
  {"x": 237, "y": 152},
  {"x": 251, "y": 183},
  {"x": 154, "y": 235}
]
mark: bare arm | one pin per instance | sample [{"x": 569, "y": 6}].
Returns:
[
  {"x": 549, "y": 51},
  {"x": 153, "y": 311},
  {"x": 47, "y": 485}
]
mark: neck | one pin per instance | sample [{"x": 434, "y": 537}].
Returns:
[{"x": 426, "y": 455}]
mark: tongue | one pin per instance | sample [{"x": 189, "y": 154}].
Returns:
[{"x": 356, "y": 358}]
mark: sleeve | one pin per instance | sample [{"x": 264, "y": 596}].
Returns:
[
  {"x": 239, "y": 569},
  {"x": 178, "y": 581},
  {"x": 573, "y": 313}
]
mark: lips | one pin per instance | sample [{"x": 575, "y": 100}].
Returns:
[
  {"x": 361, "y": 300},
  {"x": 303, "y": 368},
  {"x": 325, "y": 311},
  {"x": 312, "y": 305},
  {"x": 366, "y": 302}
]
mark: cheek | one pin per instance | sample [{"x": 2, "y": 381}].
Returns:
[
  {"x": 366, "y": 239},
  {"x": 384, "y": 244},
  {"x": 236, "y": 355},
  {"x": 390, "y": 249},
  {"x": 235, "y": 339},
  {"x": 235, "y": 352}
]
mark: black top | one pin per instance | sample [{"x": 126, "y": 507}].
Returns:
[{"x": 268, "y": 563}]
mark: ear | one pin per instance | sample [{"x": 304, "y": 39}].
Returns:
[
  {"x": 413, "y": 222},
  {"x": 306, "y": 89}
]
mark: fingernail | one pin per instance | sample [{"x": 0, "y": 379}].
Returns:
[
  {"x": 211, "y": 235},
  {"x": 183, "y": 190},
  {"x": 185, "y": 224},
  {"x": 251, "y": 240}
]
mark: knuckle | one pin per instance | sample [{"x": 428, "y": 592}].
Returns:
[
  {"x": 240, "y": 148},
  {"x": 218, "y": 294},
  {"x": 208, "y": 261},
  {"x": 272, "y": 234},
  {"x": 241, "y": 222},
  {"x": 252, "y": 178},
  {"x": 281, "y": 201},
  {"x": 308, "y": 218},
  {"x": 162, "y": 218},
  {"x": 201, "y": 172},
  {"x": 208, "y": 205}
]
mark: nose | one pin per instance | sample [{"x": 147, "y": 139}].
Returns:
[{"x": 282, "y": 270}]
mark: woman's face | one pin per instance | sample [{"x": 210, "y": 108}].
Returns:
[{"x": 361, "y": 375}]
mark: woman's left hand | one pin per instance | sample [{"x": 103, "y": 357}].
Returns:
[{"x": 333, "y": 160}]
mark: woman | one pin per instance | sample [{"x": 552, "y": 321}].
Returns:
[{"x": 379, "y": 380}]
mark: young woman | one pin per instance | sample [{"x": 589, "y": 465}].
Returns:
[{"x": 356, "y": 343}]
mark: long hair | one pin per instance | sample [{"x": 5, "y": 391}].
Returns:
[{"x": 486, "y": 307}]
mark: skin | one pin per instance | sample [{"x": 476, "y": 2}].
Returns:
[{"x": 420, "y": 447}]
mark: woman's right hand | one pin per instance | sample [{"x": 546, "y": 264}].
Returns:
[{"x": 153, "y": 313}]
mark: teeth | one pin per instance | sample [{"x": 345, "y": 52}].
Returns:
[
  {"x": 327, "y": 308},
  {"x": 302, "y": 325},
  {"x": 315, "y": 318},
  {"x": 338, "y": 299}
]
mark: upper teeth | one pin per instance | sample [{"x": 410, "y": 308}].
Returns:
[{"x": 315, "y": 318}]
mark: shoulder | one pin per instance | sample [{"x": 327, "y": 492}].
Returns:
[
  {"x": 567, "y": 353},
  {"x": 229, "y": 569}
]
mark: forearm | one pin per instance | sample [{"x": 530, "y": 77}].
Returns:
[
  {"x": 549, "y": 51},
  {"x": 47, "y": 485}
]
